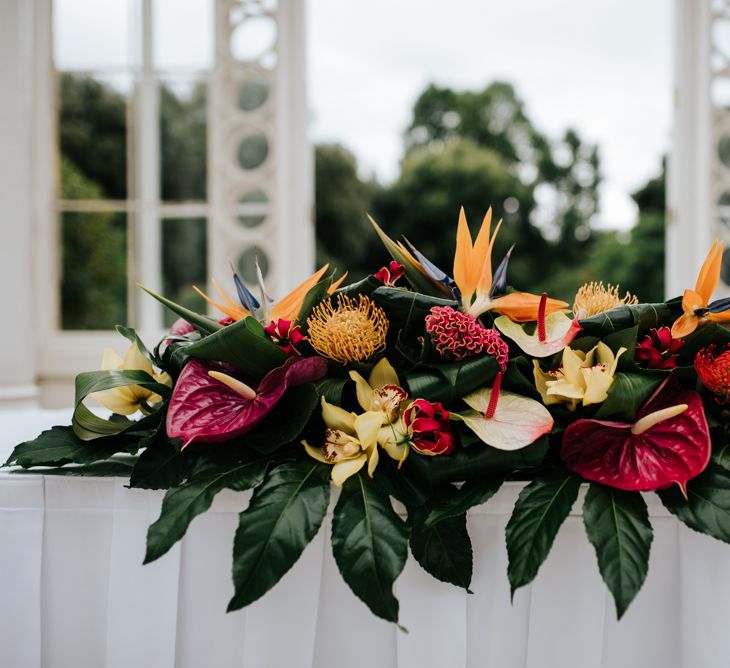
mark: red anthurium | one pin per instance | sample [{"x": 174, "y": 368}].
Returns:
[
  {"x": 669, "y": 443},
  {"x": 209, "y": 406},
  {"x": 390, "y": 274}
]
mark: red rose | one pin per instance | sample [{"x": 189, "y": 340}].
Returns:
[{"x": 429, "y": 428}]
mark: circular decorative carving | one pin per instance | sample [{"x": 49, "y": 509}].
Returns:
[
  {"x": 253, "y": 150},
  {"x": 252, "y": 94},
  {"x": 254, "y": 37},
  {"x": 247, "y": 264},
  {"x": 253, "y": 207}
]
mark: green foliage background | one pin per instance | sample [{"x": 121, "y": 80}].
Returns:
[{"x": 470, "y": 148}]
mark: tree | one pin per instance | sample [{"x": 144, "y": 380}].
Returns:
[{"x": 345, "y": 238}]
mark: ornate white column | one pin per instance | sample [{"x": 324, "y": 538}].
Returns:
[
  {"x": 260, "y": 163},
  {"x": 19, "y": 306},
  {"x": 698, "y": 189}
]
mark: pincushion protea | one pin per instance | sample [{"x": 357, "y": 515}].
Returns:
[{"x": 714, "y": 371}]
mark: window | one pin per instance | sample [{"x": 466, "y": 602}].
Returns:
[{"x": 131, "y": 82}]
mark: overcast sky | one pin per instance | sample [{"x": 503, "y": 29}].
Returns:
[{"x": 604, "y": 68}]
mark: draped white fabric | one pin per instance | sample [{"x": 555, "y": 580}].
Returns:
[{"x": 74, "y": 592}]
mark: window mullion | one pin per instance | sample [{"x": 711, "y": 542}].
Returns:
[{"x": 145, "y": 232}]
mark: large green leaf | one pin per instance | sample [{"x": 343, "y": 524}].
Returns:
[
  {"x": 202, "y": 322},
  {"x": 331, "y": 389},
  {"x": 617, "y": 524},
  {"x": 443, "y": 549},
  {"x": 285, "y": 513},
  {"x": 314, "y": 295},
  {"x": 645, "y": 316},
  {"x": 537, "y": 516},
  {"x": 108, "y": 468},
  {"x": 60, "y": 445},
  {"x": 162, "y": 464},
  {"x": 285, "y": 422},
  {"x": 627, "y": 394},
  {"x": 472, "y": 493},
  {"x": 370, "y": 544},
  {"x": 182, "y": 504},
  {"x": 707, "y": 506},
  {"x": 701, "y": 338},
  {"x": 477, "y": 461},
  {"x": 452, "y": 380},
  {"x": 243, "y": 345},
  {"x": 408, "y": 309}
]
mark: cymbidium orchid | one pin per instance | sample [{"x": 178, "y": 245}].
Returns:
[
  {"x": 552, "y": 333},
  {"x": 696, "y": 303},
  {"x": 350, "y": 442},
  {"x": 583, "y": 378},
  {"x": 381, "y": 392},
  {"x": 129, "y": 399}
]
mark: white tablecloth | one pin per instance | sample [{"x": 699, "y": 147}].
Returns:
[{"x": 75, "y": 595}]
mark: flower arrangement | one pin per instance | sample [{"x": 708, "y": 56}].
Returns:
[{"x": 425, "y": 388}]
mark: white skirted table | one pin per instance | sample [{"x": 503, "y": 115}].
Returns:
[{"x": 74, "y": 592}]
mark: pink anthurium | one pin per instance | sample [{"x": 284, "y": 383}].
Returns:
[
  {"x": 210, "y": 406},
  {"x": 553, "y": 332},
  {"x": 669, "y": 443}
]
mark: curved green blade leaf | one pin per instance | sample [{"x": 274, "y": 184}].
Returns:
[
  {"x": 203, "y": 323},
  {"x": 707, "y": 506},
  {"x": 443, "y": 549},
  {"x": 472, "y": 493},
  {"x": 538, "y": 514},
  {"x": 60, "y": 445},
  {"x": 182, "y": 504},
  {"x": 617, "y": 524},
  {"x": 285, "y": 513},
  {"x": 370, "y": 544}
]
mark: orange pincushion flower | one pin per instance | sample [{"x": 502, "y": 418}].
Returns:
[
  {"x": 352, "y": 331},
  {"x": 714, "y": 371}
]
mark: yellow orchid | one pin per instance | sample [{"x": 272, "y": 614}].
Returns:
[
  {"x": 286, "y": 308},
  {"x": 381, "y": 392},
  {"x": 582, "y": 378},
  {"x": 129, "y": 399},
  {"x": 696, "y": 303},
  {"x": 350, "y": 442}
]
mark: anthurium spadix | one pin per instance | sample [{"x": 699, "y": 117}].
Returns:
[
  {"x": 668, "y": 443},
  {"x": 553, "y": 332},
  {"x": 505, "y": 420},
  {"x": 211, "y": 406}
]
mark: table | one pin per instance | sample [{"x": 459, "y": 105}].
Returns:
[{"x": 74, "y": 592}]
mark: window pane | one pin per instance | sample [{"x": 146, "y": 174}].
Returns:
[
  {"x": 90, "y": 34},
  {"x": 93, "y": 270},
  {"x": 183, "y": 34},
  {"x": 93, "y": 137},
  {"x": 184, "y": 263},
  {"x": 183, "y": 140}
]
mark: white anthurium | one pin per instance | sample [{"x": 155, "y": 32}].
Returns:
[
  {"x": 559, "y": 331},
  {"x": 515, "y": 421}
]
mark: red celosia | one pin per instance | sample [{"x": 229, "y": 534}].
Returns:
[
  {"x": 458, "y": 335},
  {"x": 390, "y": 274},
  {"x": 658, "y": 350},
  {"x": 429, "y": 428},
  {"x": 284, "y": 335},
  {"x": 714, "y": 371}
]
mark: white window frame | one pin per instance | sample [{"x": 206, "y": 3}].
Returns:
[{"x": 288, "y": 235}]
